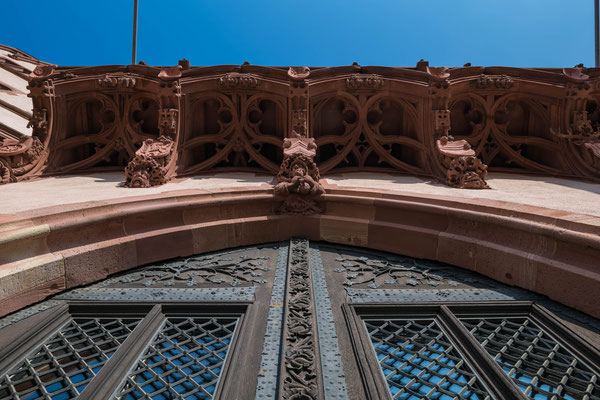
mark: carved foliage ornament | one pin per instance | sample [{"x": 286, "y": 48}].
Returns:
[
  {"x": 237, "y": 81},
  {"x": 148, "y": 167},
  {"x": 115, "y": 80},
  {"x": 299, "y": 372},
  {"x": 298, "y": 177},
  {"x": 17, "y": 157},
  {"x": 229, "y": 270},
  {"x": 464, "y": 170},
  {"x": 494, "y": 82},
  {"x": 357, "y": 81},
  {"x": 467, "y": 172}
]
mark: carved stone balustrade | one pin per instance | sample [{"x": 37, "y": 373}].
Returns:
[{"x": 224, "y": 118}]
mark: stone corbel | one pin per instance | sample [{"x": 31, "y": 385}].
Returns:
[
  {"x": 149, "y": 167},
  {"x": 298, "y": 178}
]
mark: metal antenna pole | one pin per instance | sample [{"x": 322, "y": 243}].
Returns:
[
  {"x": 134, "y": 47},
  {"x": 597, "y": 33}
]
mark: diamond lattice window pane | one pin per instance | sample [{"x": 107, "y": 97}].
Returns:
[
  {"x": 419, "y": 362},
  {"x": 184, "y": 360},
  {"x": 540, "y": 366},
  {"x": 63, "y": 366}
]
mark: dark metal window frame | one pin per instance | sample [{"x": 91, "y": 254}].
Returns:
[
  {"x": 447, "y": 317},
  {"x": 19, "y": 340}
]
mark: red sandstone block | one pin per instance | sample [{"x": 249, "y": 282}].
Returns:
[
  {"x": 571, "y": 286},
  {"x": 30, "y": 296},
  {"x": 163, "y": 244},
  {"x": 407, "y": 240},
  {"x": 150, "y": 221},
  {"x": 349, "y": 231},
  {"x": 94, "y": 262}
]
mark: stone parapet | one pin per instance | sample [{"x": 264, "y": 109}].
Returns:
[{"x": 225, "y": 118}]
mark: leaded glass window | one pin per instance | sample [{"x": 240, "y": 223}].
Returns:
[
  {"x": 538, "y": 364},
  {"x": 477, "y": 351},
  {"x": 63, "y": 365},
  {"x": 418, "y": 361},
  {"x": 184, "y": 359}
]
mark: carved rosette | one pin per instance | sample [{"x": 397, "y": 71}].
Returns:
[
  {"x": 298, "y": 178},
  {"x": 299, "y": 373},
  {"x": 464, "y": 170},
  {"x": 149, "y": 166}
]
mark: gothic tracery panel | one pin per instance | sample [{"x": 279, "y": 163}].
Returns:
[{"x": 367, "y": 132}]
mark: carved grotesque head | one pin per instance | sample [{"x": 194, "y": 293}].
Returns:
[{"x": 298, "y": 169}]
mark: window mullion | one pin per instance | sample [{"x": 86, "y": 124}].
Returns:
[
  {"x": 110, "y": 376},
  {"x": 489, "y": 371}
]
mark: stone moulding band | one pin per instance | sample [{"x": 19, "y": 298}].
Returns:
[
  {"x": 237, "y": 294},
  {"x": 427, "y": 295},
  {"x": 266, "y": 387},
  {"x": 329, "y": 349},
  {"x": 559, "y": 249}
]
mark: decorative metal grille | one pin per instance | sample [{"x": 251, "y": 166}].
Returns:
[
  {"x": 540, "y": 366},
  {"x": 419, "y": 362},
  {"x": 63, "y": 366},
  {"x": 184, "y": 360}
]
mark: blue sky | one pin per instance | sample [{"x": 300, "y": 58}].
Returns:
[{"x": 521, "y": 33}]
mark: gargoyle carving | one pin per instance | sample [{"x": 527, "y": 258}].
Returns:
[
  {"x": 148, "y": 167},
  {"x": 298, "y": 177},
  {"x": 464, "y": 170}
]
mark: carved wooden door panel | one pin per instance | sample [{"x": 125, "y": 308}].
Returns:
[{"x": 299, "y": 320}]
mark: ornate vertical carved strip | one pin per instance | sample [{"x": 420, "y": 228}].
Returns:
[
  {"x": 298, "y": 101},
  {"x": 299, "y": 374},
  {"x": 329, "y": 349},
  {"x": 267, "y": 379}
]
